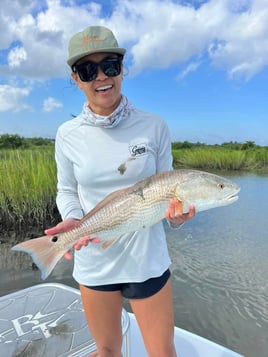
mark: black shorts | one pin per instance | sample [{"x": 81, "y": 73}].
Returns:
[{"x": 136, "y": 290}]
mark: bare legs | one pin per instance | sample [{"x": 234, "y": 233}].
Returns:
[
  {"x": 154, "y": 316},
  {"x": 103, "y": 313},
  {"x": 156, "y": 321}
]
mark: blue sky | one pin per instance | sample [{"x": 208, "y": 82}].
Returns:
[{"x": 202, "y": 65}]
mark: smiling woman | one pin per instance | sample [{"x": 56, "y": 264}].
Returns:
[
  {"x": 104, "y": 94},
  {"x": 96, "y": 62},
  {"x": 112, "y": 145}
]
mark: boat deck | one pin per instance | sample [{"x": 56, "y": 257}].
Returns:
[{"x": 48, "y": 320}]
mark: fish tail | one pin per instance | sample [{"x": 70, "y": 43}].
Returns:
[{"x": 43, "y": 252}]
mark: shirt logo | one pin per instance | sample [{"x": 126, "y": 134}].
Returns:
[{"x": 138, "y": 150}]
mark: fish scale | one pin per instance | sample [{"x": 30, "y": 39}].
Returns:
[{"x": 132, "y": 209}]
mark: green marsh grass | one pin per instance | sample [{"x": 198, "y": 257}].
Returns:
[
  {"x": 28, "y": 179},
  {"x": 27, "y": 188},
  {"x": 220, "y": 158}
]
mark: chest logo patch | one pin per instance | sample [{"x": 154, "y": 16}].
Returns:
[{"x": 138, "y": 150}]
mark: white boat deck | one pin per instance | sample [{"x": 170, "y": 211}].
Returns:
[{"x": 48, "y": 320}]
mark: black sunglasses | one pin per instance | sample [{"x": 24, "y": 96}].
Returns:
[{"x": 88, "y": 71}]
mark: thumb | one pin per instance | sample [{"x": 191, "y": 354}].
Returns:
[{"x": 51, "y": 231}]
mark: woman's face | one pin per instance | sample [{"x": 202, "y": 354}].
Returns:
[{"x": 103, "y": 93}]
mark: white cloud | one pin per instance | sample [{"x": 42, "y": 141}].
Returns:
[
  {"x": 11, "y": 98},
  {"x": 16, "y": 56},
  {"x": 243, "y": 51},
  {"x": 158, "y": 34},
  {"x": 44, "y": 36},
  {"x": 185, "y": 32},
  {"x": 192, "y": 67},
  {"x": 51, "y": 104}
]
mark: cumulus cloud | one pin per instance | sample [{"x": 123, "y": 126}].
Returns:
[
  {"x": 11, "y": 98},
  {"x": 233, "y": 36},
  {"x": 16, "y": 56},
  {"x": 51, "y": 104},
  {"x": 11, "y": 13},
  {"x": 242, "y": 47}
]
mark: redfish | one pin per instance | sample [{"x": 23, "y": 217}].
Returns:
[{"x": 132, "y": 209}]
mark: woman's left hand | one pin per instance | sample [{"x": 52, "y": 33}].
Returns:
[{"x": 175, "y": 215}]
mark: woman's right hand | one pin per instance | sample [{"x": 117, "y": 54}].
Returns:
[{"x": 65, "y": 226}]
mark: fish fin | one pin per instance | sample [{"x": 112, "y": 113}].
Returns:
[
  {"x": 43, "y": 252},
  {"x": 178, "y": 198},
  {"x": 107, "y": 243},
  {"x": 104, "y": 202}
]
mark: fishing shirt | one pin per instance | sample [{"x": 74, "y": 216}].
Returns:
[{"x": 94, "y": 161}]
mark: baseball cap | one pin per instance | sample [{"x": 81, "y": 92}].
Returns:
[{"x": 93, "y": 39}]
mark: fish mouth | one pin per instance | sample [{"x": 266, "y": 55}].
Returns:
[{"x": 233, "y": 197}]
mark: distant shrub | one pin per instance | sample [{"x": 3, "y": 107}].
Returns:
[{"x": 14, "y": 141}]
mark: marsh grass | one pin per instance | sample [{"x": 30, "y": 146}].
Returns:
[
  {"x": 218, "y": 158},
  {"x": 28, "y": 180},
  {"x": 27, "y": 188}
]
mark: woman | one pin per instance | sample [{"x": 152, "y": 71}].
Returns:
[{"x": 112, "y": 145}]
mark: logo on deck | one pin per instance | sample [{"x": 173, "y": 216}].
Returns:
[{"x": 41, "y": 324}]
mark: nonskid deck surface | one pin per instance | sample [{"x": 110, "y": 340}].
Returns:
[{"x": 45, "y": 320}]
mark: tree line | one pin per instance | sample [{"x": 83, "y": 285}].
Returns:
[
  {"x": 15, "y": 141},
  {"x": 233, "y": 145}
]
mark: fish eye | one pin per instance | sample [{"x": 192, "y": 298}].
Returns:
[
  {"x": 221, "y": 186},
  {"x": 54, "y": 239}
]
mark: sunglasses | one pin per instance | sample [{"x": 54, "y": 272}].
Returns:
[{"x": 88, "y": 71}]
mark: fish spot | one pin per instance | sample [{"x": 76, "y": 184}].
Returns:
[
  {"x": 54, "y": 239},
  {"x": 34, "y": 266},
  {"x": 221, "y": 186}
]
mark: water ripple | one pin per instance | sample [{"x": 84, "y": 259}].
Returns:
[{"x": 226, "y": 268}]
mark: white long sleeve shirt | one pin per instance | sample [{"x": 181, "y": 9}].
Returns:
[{"x": 91, "y": 163}]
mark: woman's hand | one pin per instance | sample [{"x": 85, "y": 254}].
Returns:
[
  {"x": 65, "y": 226},
  {"x": 175, "y": 215}
]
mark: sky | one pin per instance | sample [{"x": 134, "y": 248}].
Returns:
[{"x": 200, "y": 64}]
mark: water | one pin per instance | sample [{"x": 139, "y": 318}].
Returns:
[
  {"x": 219, "y": 266},
  {"x": 220, "y": 271}
]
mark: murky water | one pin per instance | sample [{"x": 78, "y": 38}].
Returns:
[{"x": 220, "y": 271}]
